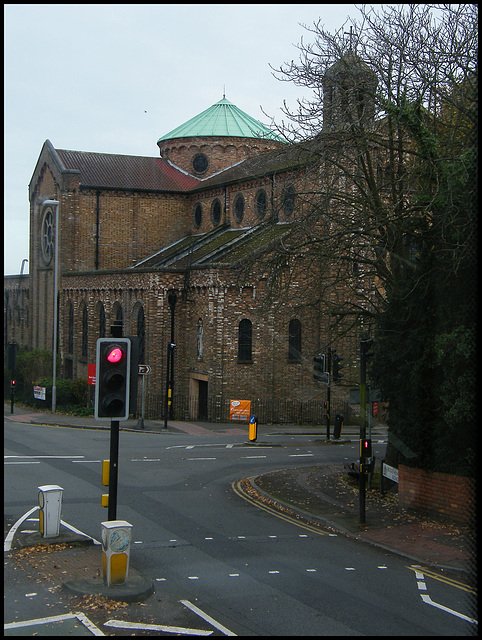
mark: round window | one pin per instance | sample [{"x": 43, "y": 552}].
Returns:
[
  {"x": 200, "y": 163},
  {"x": 198, "y": 215},
  {"x": 47, "y": 236},
  {"x": 239, "y": 207}
]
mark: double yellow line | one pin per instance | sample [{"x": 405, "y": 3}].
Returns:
[{"x": 238, "y": 490}]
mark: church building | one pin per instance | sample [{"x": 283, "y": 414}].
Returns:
[{"x": 159, "y": 245}]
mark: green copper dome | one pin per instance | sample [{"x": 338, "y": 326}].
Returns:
[{"x": 223, "y": 119}]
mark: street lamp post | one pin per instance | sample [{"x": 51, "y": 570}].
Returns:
[{"x": 55, "y": 203}]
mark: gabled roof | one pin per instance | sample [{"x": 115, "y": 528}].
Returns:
[
  {"x": 222, "y": 119},
  {"x": 111, "y": 171}
]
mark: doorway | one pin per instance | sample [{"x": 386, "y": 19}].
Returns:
[{"x": 203, "y": 413}]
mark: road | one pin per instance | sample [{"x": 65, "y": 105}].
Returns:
[{"x": 251, "y": 571}]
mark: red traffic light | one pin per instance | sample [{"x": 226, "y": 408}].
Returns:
[{"x": 115, "y": 355}]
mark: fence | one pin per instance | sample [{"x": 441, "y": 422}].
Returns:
[{"x": 268, "y": 411}]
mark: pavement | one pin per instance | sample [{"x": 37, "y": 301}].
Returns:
[{"x": 322, "y": 495}]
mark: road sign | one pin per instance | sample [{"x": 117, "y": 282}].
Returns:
[{"x": 143, "y": 369}]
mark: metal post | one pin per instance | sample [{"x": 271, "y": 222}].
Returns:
[
  {"x": 113, "y": 471},
  {"x": 168, "y": 389},
  {"x": 328, "y": 394},
  {"x": 363, "y": 406},
  {"x": 172, "y": 299},
  {"x": 55, "y": 203}
]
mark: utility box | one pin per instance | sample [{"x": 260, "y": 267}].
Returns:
[
  {"x": 116, "y": 547},
  {"x": 50, "y": 503}
]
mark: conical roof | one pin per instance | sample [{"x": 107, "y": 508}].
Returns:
[{"x": 222, "y": 119}]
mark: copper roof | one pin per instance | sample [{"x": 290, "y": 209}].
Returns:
[{"x": 110, "y": 171}]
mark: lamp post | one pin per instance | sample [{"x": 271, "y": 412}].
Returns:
[
  {"x": 171, "y": 298},
  {"x": 55, "y": 203}
]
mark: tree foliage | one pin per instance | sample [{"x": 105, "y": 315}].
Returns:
[{"x": 387, "y": 208}]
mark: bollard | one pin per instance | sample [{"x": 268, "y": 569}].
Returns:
[
  {"x": 50, "y": 503},
  {"x": 116, "y": 543},
  {"x": 253, "y": 428}
]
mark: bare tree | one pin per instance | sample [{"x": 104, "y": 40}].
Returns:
[{"x": 392, "y": 104}]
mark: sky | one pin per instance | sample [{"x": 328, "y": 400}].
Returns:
[{"x": 114, "y": 78}]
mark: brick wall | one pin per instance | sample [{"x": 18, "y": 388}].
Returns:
[{"x": 438, "y": 493}]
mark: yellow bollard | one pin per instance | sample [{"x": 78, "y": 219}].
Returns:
[{"x": 253, "y": 428}]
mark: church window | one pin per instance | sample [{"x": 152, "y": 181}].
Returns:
[
  {"x": 239, "y": 207},
  {"x": 101, "y": 321},
  {"x": 70, "y": 333},
  {"x": 245, "y": 337},
  {"x": 200, "y": 163},
  {"x": 261, "y": 203},
  {"x": 294, "y": 344},
  {"x": 118, "y": 314},
  {"x": 47, "y": 236},
  {"x": 198, "y": 215},
  {"x": 216, "y": 212},
  {"x": 288, "y": 199},
  {"x": 85, "y": 333},
  {"x": 141, "y": 333}
]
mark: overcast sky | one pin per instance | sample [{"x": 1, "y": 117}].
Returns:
[{"x": 115, "y": 78}]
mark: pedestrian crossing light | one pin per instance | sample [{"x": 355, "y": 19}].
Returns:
[{"x": 112, "y": 384}]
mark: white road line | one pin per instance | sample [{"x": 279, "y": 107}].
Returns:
[
  {"x": 7, "y": 545},
  {"x": 20, "y": 462},
  {"x": 301, "y": 455},
  {"x": 201, "y": 458},
  {"x": 68, "y": 616},
  {"x": 48, "y": 457},
  {"x": 141, "y": 626},
  {"x": 207, "y": 618},
  {"x": 428, "y": 600}
]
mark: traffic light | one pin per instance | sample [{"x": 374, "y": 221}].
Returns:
[
  {"x": 13, "y": 384},
  {"x": 319, "y": 367},
  {"x": 365, "y": 352},
  {"x": 112, "y": 382},
  {"x": 365, "y": 449},
  {"x": 337, "y": 366}
]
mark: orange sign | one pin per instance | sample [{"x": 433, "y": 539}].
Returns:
[{"x": 239, "y": 409}]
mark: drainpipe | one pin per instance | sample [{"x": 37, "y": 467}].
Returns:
[{"x": 97, "y": 222}]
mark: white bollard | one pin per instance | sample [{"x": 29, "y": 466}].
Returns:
[
  {"x": 50, "y": 503},
  {"x": 116, "y": 546}
]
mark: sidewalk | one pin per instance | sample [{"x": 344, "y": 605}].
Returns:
[{"x": 320, "y": 494}]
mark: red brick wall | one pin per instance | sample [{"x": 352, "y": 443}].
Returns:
[{"x": 439, "y": 493}]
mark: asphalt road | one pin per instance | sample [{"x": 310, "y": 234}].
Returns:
[{"x": 250, "y": 570}]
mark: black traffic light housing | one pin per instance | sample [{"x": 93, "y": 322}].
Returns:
[
  {"x": 112, "y": 379},
  {"x": 337, "y": 366},
  {"x": 319, "y": 367},
  {"x": 365, "y": 449}
]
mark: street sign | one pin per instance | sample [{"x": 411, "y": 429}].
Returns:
[{"x": 143, "y": 369}]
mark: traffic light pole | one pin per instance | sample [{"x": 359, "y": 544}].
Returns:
[
  {"x": 364, "y": 355},
  {"x": 328, "y": 394},
  {"x": 113, "y": 469}
]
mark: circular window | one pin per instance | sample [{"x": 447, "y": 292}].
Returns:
[
  {"x": 200, "y": 163},
  {"x": 261, "y": 203},
  {"x": 239, "y": 207},
  {"x": 47, "y": 236},
  {"x": 216, "y": 212},
  {"x": 198, "y": 215},
  {"x": 289, "y": 198}
]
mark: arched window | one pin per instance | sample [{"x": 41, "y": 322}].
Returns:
[
  {"x": 70, "y": 331},
  {"x": 85, "y": 332},
  {"x": 239, "y": 207},
  {"x": 101, "y": 321},
  {"x": 198, "y": 215},
  {"x": 141, "y": 333},
  {"x": 245, "y": 340},
  {"x": 216, "y": 212},
  {"x": 294, "y": 343},
  {"x": 261, "y": 203},
  {"x": 288, "y": 199}
]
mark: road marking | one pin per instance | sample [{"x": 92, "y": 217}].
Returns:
[
  {"x": 207, "y": 618},
  {"x": 20, "y": 462},
  {"x": 7, "y": 545},
  {"x": 201, "y": 458},
  {"x": 48, "y": 457},
  {"x": 301, "y": 455},
  {"x": 236, "y": 486},
  {"x": 273, "y": 571},
  {"x": 82, "y": 618},
  {"x": 422, "y": 571},
  {"x": 421, "y": 585},
  {"x": 251, "y": 457},
  {"x": 141, "y": 626}
]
